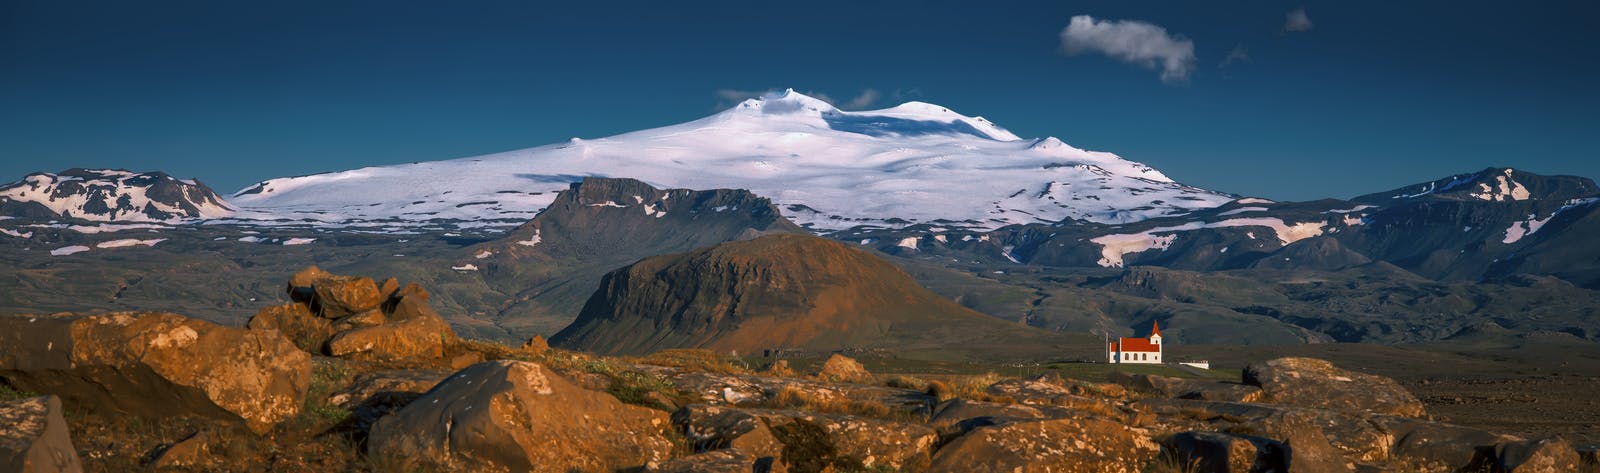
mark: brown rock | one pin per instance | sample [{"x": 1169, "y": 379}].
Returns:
[
  {"x": 391, "y": 388},
  {"x": 34, "y": 437},
  {"x": 712, "y": 428},
  {"x": 840, "y": 368},
  {"x": 192, "y": 452},
  {"x": 1309, "y": 382},
  {"x": 414, "y": 331},
  {"x": 1219, "y": 452},
  {"x": 387, "y": 287},
  {"x": 300, "y": 284},
  {"x": 339, "y": 296},
  {"x": 363, "y": 319},
  {"x": 812, "y": 442},
  {"x": 1548, "y": 455},
  {"x": 157, "y": 364},
  {"x": 296, "y": 323},
  {"x": 716, "y": 461},
  {"x": 519, "y": 416},
  {"x": 536, "y": 345},
  {"x": 1432, "y": 446},
  {"x": 466, "y": 359},
  {"x": 1045, "y": 390},
  {"x": 1056, "y": 445}
]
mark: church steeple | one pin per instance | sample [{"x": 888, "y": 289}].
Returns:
[{"x": 1155, "y": 332}]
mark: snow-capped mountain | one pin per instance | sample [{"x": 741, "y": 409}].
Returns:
[
  {"x": 828, "y": 169},
  {"x": 111, "y": 195}
]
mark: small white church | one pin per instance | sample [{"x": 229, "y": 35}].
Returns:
[{"x": 1136, "y": 350}]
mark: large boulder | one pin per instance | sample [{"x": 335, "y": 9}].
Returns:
[
  {"x": 1223, "y": 453},
  {"x": 713, "y": 428},
  {"x": 840, "y": 368},
  {"x": 156, "y": 364},
  {"x": 1055, "y": 445},
  {"x": 354, "y": 317},
  {"x": 412, "y": 331},
  {"x": 1437, "y": 447},
  {"x": 296, "y": 322},
  {"x": 340, "y": 296},
  {"x": 1309, "y": 382},
  {"x": 1548, "y": 455},
  {"x": 518, "y": 416},
  {"x": 34, "y": 437}
]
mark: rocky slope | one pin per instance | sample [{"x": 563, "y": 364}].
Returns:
[
  {"x": 111, "y": 195},
  {"x": 773, "y": 293}
]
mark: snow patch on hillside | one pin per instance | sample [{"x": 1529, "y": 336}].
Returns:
[
  {"x": 124, "y": 243},
  {"x": 1114, "y": 247},
  {"x": 67, "y": 250}
]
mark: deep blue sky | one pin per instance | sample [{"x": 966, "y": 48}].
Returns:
[{"x": 1375, "y": 95}]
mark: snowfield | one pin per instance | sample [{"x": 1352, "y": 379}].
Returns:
[{"x": 914, "y": 163}]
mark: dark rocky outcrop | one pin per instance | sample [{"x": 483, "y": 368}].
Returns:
[
  {"x": 34, "y": 437},
  {"x": 519, "y": 416},
  {"x": 157, "y": 364}
]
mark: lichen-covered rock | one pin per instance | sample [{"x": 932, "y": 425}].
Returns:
[
  {"x": 840, "y": 368},
  {"x": 34, "y": 437},
  {"x": 519, "y": 416},
  {"x": 413, "y": 331},
  {"x": 295, "y": 322},
  {"x": 156, "y": 364},
  {"x": 1309, "y": 382},
  {"x": 340, "y": 296},
  {"x": 1054, "y": 445}
]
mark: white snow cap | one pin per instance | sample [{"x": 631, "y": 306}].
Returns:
[{"x": 916, "y": 162}]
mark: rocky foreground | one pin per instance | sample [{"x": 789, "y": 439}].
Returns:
[{"x": 358, "y": 375}]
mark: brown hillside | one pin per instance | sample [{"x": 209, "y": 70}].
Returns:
[{"x": 786, "y": 291}]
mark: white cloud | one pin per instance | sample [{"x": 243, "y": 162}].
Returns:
[
  {"x": 1297, "y": 21},
  {"x": 1131, "y": 41},
  {"x": 1237, "y": 54},
  {"x": 866, "y": 99}
]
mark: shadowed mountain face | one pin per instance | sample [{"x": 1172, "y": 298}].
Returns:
[{"x": 779, "y": 292}]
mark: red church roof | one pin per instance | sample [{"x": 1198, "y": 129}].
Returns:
[{"x": 1137, "y": 344}]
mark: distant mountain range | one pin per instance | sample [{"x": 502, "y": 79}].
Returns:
[{"x": 1028, "y": 231}]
